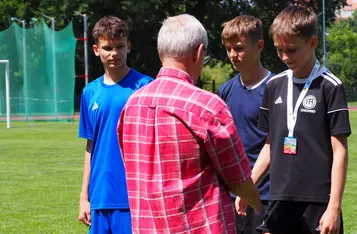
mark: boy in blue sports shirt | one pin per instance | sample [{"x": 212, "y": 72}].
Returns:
[
  {"x": 103, "y": 199},
  {"x": 243, "y": 39}
]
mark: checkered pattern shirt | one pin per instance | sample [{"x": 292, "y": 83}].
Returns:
[{"x": 180, "y": 148}]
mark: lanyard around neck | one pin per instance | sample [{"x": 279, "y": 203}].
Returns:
[{"x": 292, "y": 115}]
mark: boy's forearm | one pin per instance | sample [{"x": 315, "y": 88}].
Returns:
[
  {"x": 339, "y": 171},
  {"x": 86, "y": 172},
  {"x": 246, "y": 190},
  {"x": 261, "y": 166}
]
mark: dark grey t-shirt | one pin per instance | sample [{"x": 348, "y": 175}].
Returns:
[{"x": 323, "y": 113}]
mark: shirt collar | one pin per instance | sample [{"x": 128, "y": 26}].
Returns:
[
  {"x": 175, "y": 73},
  {"x": 251, "y": 87}
]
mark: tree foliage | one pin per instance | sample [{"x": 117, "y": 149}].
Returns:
[
  {"x": 145, "y": 18},
  {"x": 216, "y": 71},
  {"x": 341, "y": 50}
]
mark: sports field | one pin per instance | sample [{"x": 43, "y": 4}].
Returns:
[{"x": 40, "y": 178}]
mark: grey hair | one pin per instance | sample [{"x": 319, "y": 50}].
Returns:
[{"x": 180, "y": 35}]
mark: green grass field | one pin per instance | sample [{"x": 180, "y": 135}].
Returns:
[
  {"x": 41, "y": 173},
  {"x": 40, "y": 178},
  {"x": 354, "y": 104}
]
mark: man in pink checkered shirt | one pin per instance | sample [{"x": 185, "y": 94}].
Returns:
[{"x": 180, "y": 147}]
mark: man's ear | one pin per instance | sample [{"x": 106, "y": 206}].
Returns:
[
  {"x": 95, "y": 49},
  {"x": 199, "y": 54},
  {"x": 129, "y": 46}
]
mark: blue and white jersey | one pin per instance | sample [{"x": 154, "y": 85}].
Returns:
[
  {"x": 100, "y": 110},
  {"x": 244, "y": 103}
]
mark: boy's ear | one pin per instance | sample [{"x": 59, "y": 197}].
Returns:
[
  {"x": 260, "y": 45},
  {"x": 95, "y": 49},
  {"x": 314, "y": 42},
  {"x": 129, "y": 46}
]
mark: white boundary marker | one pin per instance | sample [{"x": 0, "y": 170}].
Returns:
[{"x": 7, "y": 88}]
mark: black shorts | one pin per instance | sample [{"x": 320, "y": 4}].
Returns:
[
  {"x": 294, "y": 217},
  {"x": 248, "y": 224}
]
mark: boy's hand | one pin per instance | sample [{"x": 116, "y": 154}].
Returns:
[
  {"x": 84, "y": 212},
  {"x": 241, "y": 206},
  {"x": 330, "y": 221}
]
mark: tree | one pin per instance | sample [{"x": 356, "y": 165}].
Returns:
[
  {"x": 341, "y": 50},
  {"x": 145, "y": 18},
  {"x": 216, "y": 72}
]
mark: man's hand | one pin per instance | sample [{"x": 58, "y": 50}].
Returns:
[
  {"x": 241, "y": 206},
  {"x": 84, "y": 212},
  {"x": 330, "y": 222}
]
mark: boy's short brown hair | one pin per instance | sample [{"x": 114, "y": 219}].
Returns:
[
  {"x": 243, "y": 25},
  {"x": 109, "y": 28},
  {"x": 295, "y": 21}
]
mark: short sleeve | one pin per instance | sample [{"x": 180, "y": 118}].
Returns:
[
  {"x": 85, "y": 127},
  {"x": 224, "y": 89},
  {"x": 263, "y": 123},
  {"x": 338, "y": 111},
  {"x": 226, "y": 150},
  {"x": 144, "y": 81}
]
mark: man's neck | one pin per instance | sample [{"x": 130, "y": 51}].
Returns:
[
  {"x": 182, "y": 65},
  {"x": 114, "y": 76},
  {"x": 253, "y": 75}
]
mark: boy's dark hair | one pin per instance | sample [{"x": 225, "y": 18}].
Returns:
[
  {"x": 295, "y": 21},
  {"x": 109, "y": 28},
  {"x": 243, "y": 25}
]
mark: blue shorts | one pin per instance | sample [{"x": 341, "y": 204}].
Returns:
[{"x": 107, "y": 221}]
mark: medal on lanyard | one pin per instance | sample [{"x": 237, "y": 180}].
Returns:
[{"x": 290, "y": 142}]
